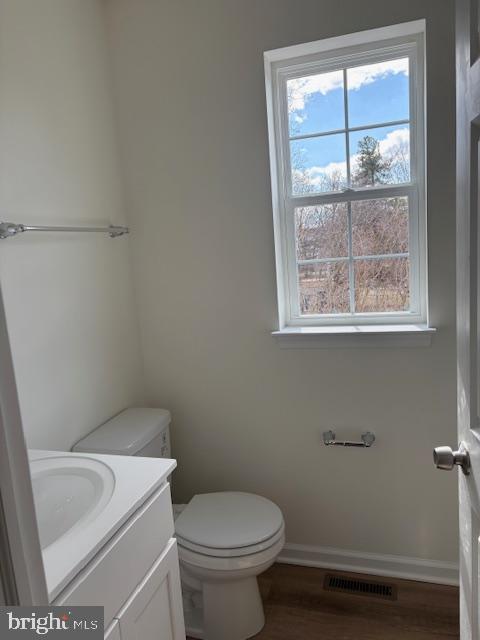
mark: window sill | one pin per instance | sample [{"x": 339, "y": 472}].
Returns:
[{"x": 353, "y": 336}]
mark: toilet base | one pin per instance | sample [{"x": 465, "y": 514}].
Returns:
[
  {"x": 236, "y": 612},
  {"x": 194, "y": 624},
  {"x": 220, "y": 594},
  {"x": 193, "y": 612}
]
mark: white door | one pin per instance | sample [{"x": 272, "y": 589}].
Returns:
[
  {"x": 21, "y": 565},
  {"x": 155, "y": 610},
  {"x": 468, "y": 318}
]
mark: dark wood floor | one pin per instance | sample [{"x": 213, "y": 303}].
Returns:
[{"x": 297, "y": 607}]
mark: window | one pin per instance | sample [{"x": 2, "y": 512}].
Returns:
[{"x": 347, "y": 149}]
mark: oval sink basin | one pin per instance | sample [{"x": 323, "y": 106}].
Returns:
[{"x": 69, "y": 492}]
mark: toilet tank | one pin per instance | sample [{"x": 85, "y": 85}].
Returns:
[{"x": 133, "y": 432}]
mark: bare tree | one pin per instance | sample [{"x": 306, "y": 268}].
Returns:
[{"x": 398, "y": 157}]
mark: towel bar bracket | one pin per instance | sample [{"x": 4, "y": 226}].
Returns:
[{"x": 9, "y": 229}]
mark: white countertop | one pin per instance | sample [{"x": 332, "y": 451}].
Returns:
[{"x": 135, "y": 479}]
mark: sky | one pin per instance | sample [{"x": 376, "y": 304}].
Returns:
[{"x": 377, "y": 93}]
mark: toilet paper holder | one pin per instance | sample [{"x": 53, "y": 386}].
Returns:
[{"x": 367, "y": 439}]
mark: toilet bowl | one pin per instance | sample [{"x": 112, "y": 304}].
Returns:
[{"x": 225, "y": 540}]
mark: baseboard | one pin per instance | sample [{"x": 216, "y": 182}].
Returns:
[{"x": 371, "y": 563}]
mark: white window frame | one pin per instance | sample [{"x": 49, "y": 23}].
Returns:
[{"x": 366, "y": 47}]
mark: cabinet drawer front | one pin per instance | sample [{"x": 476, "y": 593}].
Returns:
[
  {"x": 113, "y": 574},
  {"x": 154, "y": 611}
]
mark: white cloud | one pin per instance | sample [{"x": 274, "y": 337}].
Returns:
[
  {"x": 394, "y": 139},
  {"x": 315, "y": 175},
  {"x": 357, "y": 77},
  {"x": 300, "y": 89}
]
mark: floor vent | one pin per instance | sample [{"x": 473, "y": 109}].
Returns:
[{"x": 357, "y": 586}]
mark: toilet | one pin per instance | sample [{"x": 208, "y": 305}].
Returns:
[{"x": 225, "y": 539}]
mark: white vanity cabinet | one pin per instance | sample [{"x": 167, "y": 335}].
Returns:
[{"x": 135, "y": 577}]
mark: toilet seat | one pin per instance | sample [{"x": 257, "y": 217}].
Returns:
[
  {"x": 229, "y": 524},
  {"x": 225, "y": 565},
  {"x": 234, "y": 552}
]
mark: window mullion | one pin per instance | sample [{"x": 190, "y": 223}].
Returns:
[
  {"x": 351, "y": 266},
  {"x": 347, "y": 133}
]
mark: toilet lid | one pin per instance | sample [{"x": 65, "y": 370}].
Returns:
[{"x": 228, "y": 520}]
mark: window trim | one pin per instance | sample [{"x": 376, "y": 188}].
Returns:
[{"x": 326, "y": 55}]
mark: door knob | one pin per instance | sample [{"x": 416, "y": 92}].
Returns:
[{"x": 444, "y": 458}]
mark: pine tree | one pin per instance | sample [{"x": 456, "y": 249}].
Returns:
[{"x": 372, "y": 168}]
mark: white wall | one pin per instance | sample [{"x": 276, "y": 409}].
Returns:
[
  {"x": 69, "y": 298},
  {"x": 247, "y": 415}
]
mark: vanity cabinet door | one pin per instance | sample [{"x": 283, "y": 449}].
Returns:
[{"x": 154, "y": 611}]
